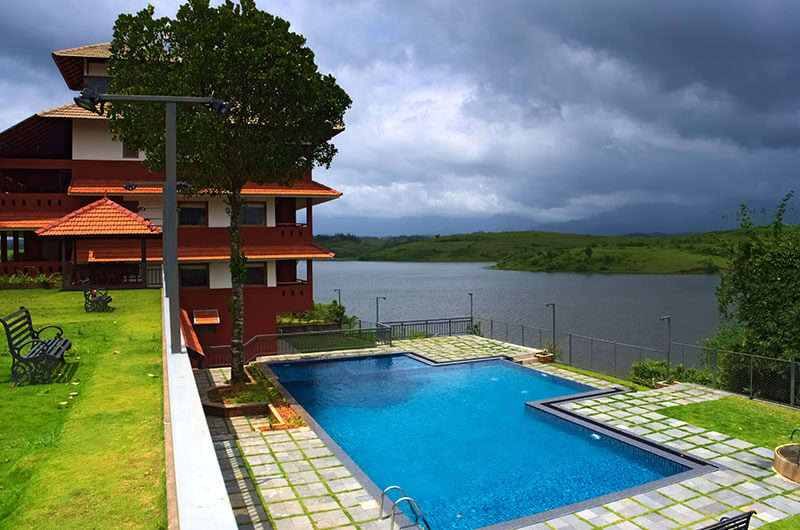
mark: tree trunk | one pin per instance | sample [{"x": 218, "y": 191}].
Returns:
[{"x": 237, "y": 291}]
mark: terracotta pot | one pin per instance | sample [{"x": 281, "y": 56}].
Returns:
[
  {"x": 785, "y": 461},
  {"x": 545, "y": 357}
]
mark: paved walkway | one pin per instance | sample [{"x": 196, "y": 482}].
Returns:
[{"x": 291, "y": 478}]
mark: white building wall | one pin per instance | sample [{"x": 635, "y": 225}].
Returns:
[
  {"x": 217, "y": 215},
  {"x": 219, "y": 275},
  {"x": 271, "y": 211},
  {"x": 151, "y": 208},
  {"x": 91, "y": 140}
]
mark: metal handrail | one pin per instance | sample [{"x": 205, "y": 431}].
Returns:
[
  {"x": 383, "y": 497},
  {"x": 414, "y": 508}
]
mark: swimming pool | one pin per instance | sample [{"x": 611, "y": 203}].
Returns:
[{"x": 460, "y": 439}]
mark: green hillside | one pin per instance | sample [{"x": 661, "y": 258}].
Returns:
[{"x": 549, "y": 251}]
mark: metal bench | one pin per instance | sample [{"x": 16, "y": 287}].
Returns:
[
  {"x": 737, "y": 522},
  {"x": 33, "y": 359},
  {"x": 95, "y": 299}
]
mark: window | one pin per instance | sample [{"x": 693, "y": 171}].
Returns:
[
  {"x": 253, "y": 214},
  {"x": 193, "y": 213},
  {"x": 194, "y": 275},
  {"x": 255, "y": 275},
  {"x": 127, "y": 152}
]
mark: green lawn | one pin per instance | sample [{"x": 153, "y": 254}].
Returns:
[
  {"x": 760, "y": 423},
  {"x": 611, "y": 379},
  {"x": 98, "y": 461}
]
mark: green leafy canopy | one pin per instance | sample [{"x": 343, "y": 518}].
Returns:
[
  {"x": 760, "y": 291},
  {"x": 284, "y": 111}
]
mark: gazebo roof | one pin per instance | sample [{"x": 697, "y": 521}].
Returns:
[{"x": 102, "y": 218}]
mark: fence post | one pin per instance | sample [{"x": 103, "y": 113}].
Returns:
[
  {"x": 751, "y": 377},
  {"x": 449, "y": 327},
  {"x": 506, "y": 331},
  {"x": 716, "y": 361},
  {"x": 522, "y": 327},
  {"x": 640, "y": 355},
  {"x": 683, "y": 356},
  {"x": 615, "y": 358},
  {"x": 540, "y": 338},
  {"x": 791, "y": 386},
  {"x": 491, "y": 328},
  {"x": 591, "y": 351},
  {"x": 570, "y": 349}
]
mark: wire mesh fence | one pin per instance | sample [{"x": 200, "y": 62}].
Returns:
[{"x": 744, "y": 373}]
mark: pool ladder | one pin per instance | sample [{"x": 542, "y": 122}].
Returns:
[{"x": 411, "y": 503}]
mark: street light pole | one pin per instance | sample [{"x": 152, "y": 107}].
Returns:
[
  {"x": 470, "y": 309},
  {"x": 668, "y": 318},
  {"x": 339, "y": 292},
  {"x": 377, "y": 308},
  {"x": 554, "y": 326},
  {"x": 89, "y": 99}
]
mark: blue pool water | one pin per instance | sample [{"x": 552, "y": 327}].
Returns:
[{"x": 460, "y": 439}]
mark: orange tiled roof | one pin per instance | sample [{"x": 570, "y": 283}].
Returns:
[
  {"x": 92, "y": 186},
  {"x": 202, "y": 317},
  {"x": 101, "y": 50},
  {"x": 70, "y": 110},
  {"x": 103, "y": 217},
  {"x": 121, "y": 251}
]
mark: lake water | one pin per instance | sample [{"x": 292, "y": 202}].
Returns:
[{"x": 625, "y": 308}]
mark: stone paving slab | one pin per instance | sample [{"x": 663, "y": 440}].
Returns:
[{"x": 290, "y": 479}]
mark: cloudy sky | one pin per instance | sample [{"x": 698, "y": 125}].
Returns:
[{"x": 599, "y": 117}]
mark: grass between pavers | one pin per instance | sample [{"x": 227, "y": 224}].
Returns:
[
  {"x": 759, "y": 423},
  {"x": 604, "y": 377},
  {"x": 97, "y": 462}
]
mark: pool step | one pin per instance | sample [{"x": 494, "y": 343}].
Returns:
[{"x": 526, "y": 358}]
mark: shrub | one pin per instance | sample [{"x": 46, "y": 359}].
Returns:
[
  {"x": 22, "y": 280},
  {"x": 649, "y": 372}
]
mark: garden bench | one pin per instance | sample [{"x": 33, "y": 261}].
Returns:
[
  {"x": 32, "y": 358},
  {"x": 95, "y": 299},
  {"x": 738, "y": 522}
]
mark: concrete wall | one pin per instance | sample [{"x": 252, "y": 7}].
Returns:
[
  {"x": 218, "y": 217},
  {"x": 219, "y": 275},
  {"x": 151, "y": 208},
  {"x": 91, "y": 140}
]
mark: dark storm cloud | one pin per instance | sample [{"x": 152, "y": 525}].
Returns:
[{"x": 553, "y": 111}]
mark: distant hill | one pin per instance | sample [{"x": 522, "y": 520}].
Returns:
[{"x": 549, "y": 251}]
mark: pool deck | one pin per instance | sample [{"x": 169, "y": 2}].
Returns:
[{"x": 291, "y": 480}]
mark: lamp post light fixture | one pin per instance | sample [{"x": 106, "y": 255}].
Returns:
[
  {"x": 89, "y": 100},
  {"x": 339, "y": 292},
  {"x": 668, "y": 318},
  {"x": 554, "y": 326},
  {"x": 377, "y": 308},
  {"x": 470, "y": 309}
]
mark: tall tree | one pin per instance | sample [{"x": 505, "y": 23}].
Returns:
[{"x": 283, "y": 115}]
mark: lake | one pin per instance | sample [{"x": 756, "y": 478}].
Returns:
[{"x": 625, "y": 308}]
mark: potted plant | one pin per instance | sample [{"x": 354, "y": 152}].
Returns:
[{"x": 545, "y": 356}]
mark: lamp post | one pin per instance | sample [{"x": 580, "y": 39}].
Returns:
[
  {"x": 88, "y": 100},
  {"x": 668, "y": 318},
  {"x": 470, "y": 309},
  {"x": 339, "y": 292},
  {"x": 377, "y": 308},
  {"x": 554, "y": 326}
]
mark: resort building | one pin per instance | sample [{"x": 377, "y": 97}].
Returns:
[{"x": 75, "y": 201}]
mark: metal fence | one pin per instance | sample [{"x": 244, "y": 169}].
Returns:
[
  {"x": 745, "y": 373},
  {"x": 437, "y": 327},
  {"x": 311, "y": 341}
]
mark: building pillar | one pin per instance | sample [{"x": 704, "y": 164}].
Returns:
[
  {"x": 3, "y": 247},
  {"x": 309, "y": 273},
  {"x": 63, "y": 252},
  {"x": 73, "y": 270},
  {"x": 309, "y": 217},
  {"x": 15, "y": 237},
  {"x": 143, "y": 263}
]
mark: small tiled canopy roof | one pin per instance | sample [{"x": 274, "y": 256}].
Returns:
[
  {"x": 102, "y": 218},
  {"x": 70, "y": 110},
  {"x": 70, "y": 61}
]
